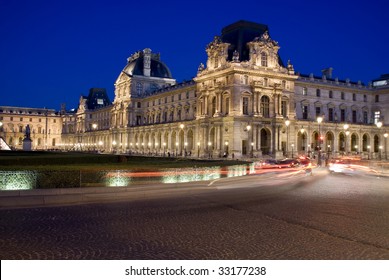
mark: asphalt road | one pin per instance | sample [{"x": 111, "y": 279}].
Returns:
[{"x": 254, "y": 217}]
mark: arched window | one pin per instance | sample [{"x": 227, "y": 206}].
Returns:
[
  {"x": 264, "y": 59},
  {"x": 265, "y": 106}
]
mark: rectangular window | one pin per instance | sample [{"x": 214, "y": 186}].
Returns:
[
  {"x": 305, "y": 91},
  {"x": 342, "y": 95},
  {"x": 179, "y": 96},
  {"x": 365, "y": 119},
  {"x": 30, "y": 119},
  {"x": 187, "y": 95},
  {"x": 305, "y": 112},
  {"x": 318, "y": 111},
  {"x": 284, "y": 108},
  {"x": 318, "y": 93},
  {"x": 172, "y": 98},
  {"x": 354, "y": 97},
  {"x": 342, "y": 115},
  {"x": 354, "y": 116},
  {"x": 245, "y": 105},
  {"x": 330, "y": 94},
  {"x": 331, "y": 114},
  {"x": 11, "y": 118},
  {"x": 21, "y": 119},
  {"x": 364, "y": 98},
  {"x": 377, "y": 116},
  {"x": 377, "y": 98}
]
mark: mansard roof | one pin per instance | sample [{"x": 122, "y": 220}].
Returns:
[
  {"x": 239, "y": 34},
  {"x": 97, "y": 98}
]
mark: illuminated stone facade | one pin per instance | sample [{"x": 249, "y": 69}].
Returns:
[
  {"x": 245, "y": 102},
  {"x": 45, "y": 126}
]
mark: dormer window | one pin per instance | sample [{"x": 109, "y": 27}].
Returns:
[
  {"x": 139, "y": 88},
  {"x": 263, "y": 59}
]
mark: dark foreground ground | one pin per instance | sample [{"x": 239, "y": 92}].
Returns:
[{"x": 328, "y": 217}]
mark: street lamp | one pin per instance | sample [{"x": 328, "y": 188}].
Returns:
[
  {"x": 379, "y": 125},
  {"x": 302, "y": 130},
  {"x": 319, "y": 120},
  {"x": 345, "y": 127},
  {"x": 198, "y": 149},
  {"x": 176, "y": 148},
  {"x": 209, "y": 149},
  {"x": 380, "y": 147},
  {"x": 164, "y": 147},
  {"x": 386, "y": 154},
  {"x": 368, "y": 153},
  {"x": 287, "y": 123},
  {"x": 248, "y": 128},
  {"x": 226, "y": 151},
  {"x": 113, "y": 146},
  {"x": 252, "y": 149},
  {"x": 185, "y": 144},
  {"x": 181, "y": 127},
  {"x": 292, "y": 150},
  {"x": 347, "y": 134}
]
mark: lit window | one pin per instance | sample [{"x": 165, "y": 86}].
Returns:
[
  {"x": 245, "y": 105},
  {"x": 264, "y": 59}
]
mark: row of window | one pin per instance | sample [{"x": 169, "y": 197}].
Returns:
[
  {"x": 21, "y": 119},
  {"x": 22, "y": 112},
  {"x": 160, "y": 101},
  {"x": 333, "y": 117},
  {"x": 342, "y": 95},
  {"x": 20, "y": 141}
]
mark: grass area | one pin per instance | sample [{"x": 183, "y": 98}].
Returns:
[{"x": 19, "y": 160}]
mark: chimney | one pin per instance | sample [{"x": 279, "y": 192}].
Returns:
[{"x": 146, "y": 62}]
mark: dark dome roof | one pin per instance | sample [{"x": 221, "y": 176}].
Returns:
[{"x": 157, "y": 68}]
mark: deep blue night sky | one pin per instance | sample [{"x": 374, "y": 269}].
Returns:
[{"x": 51, "y": 52}]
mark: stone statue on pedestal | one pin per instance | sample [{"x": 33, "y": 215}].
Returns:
[{"x": 27, "y": 139}]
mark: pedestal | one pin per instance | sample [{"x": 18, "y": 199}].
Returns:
[{"x": 27, "y": 143}]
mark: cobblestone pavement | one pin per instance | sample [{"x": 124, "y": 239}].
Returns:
[{"x": 332, "y": 217}]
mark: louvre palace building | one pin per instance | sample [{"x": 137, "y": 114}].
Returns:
[{"x": 245, "y": 102}]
